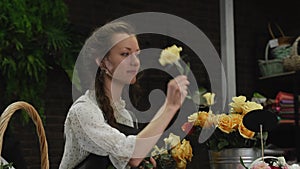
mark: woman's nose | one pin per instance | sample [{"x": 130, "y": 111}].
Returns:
[{"x": 134, "y": 60}]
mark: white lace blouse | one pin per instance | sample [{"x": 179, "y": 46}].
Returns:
[{"x": 86, "y": 131}]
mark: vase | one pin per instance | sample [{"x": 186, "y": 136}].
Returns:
[{"x": 230, "y": 158}]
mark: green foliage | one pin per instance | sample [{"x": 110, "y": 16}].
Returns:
[
  {"x": 34, "y": 34},
  {"x": 5, "y": 166}
]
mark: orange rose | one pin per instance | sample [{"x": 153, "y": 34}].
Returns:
[
  {"x": 181, "y": 153},
  {"x": 202, "y": 118},
  {"x": 246, "y": 133},
  {"x": 236, "y": 120},
  {"x": 225, "y": 123}
]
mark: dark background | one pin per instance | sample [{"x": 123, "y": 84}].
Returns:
[{"x": 251, "y": 36}]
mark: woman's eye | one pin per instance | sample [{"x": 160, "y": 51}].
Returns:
[{"x": 125, "y": 54}]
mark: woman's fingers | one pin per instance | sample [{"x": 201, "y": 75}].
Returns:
[
  {"x": 177, "y": 90},
  {"x": 153, "y": 162}
]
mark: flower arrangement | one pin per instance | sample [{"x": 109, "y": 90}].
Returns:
[
  {"x": 175, "y": 153},
  {"x": 270, "y": 162},
  {"x": 230, "y": 131}
]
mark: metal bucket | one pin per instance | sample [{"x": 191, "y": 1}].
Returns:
[{"x": 230, "y": 158}]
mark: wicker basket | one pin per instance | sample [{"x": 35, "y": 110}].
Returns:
[
  {"x": 269, "y": 67},
  {"x": 282, "y": 39},
  {"x": 284, "y": 43},
  {"x": 292, "y": 62},
  {"x": 4, "y": 120}
]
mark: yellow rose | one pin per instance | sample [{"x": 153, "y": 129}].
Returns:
[
  {"x": 172, "y": 140},
  {"x": 237, "y": 103},
  {"x": 225, "y": 123},
  {"x": 210, "y": 98},
  {"x": 202, "y": 118},
  {"x": 245, "y": 132},
  {"x": 170, "y": 55},
  {"x": 236, "y": 120},
  {"x": 249, "y": 106},
  {"x": 181, "y": 153}
]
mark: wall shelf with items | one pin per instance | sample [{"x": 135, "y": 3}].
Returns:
[{"x": 287, "y": 133}]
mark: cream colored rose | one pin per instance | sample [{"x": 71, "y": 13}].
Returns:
[
  {"x": 170, "y": 55},
  {"x": 249, "y": 106},
  {"x": 193, "y": 118},
  {"x": 225, "y": 123},
  {"x": 246, "y": 133},
  {"x": 238, "y": 103},
  {"x": 172, "y": 140},
  {"x": 210, "y": 98},
  {"x": 158, "y": 151}
]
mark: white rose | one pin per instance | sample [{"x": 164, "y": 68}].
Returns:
[
  {"x": 170, "y": 55},
  {"x": 172, "y": 140}
]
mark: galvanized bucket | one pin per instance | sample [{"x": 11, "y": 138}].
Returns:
[{"x": 230, "y": 158}]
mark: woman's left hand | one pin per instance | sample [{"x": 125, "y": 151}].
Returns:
[{"x": 148, "y": 163}]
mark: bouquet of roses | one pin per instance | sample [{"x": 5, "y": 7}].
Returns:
[
  {"x": 175, "y": 153},
  {"x": 229, "y": 130}
]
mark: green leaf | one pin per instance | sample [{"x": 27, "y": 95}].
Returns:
[{"x": 242, "y": 162}]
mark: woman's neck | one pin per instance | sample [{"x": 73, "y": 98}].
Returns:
[{"x": 113, "y": 88}]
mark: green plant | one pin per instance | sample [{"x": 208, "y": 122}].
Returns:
[
  {"x": 5, "y": 166},
  {"x": 34, "y": 35}
]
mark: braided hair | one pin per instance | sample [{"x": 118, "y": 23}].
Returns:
[{"x": 98, "y": 45}]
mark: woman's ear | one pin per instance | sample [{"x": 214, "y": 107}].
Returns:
[{"x": 98, "y": 61}]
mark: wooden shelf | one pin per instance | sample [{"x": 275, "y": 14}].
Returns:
[{"x": 278, "y": 75}]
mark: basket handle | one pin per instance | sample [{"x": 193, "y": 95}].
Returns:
[
  {"x": 267, "y": 52},
  {"x": 294, "y": 50},
  {"x": 5, "y": 117},
  {"x": 271, "y": 32}
]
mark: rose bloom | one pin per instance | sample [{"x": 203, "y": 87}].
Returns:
[
  {"x": 210, "y": 98},
  {"x": 170, "y": 55},
  {"x": 245, "y": 132},
  {"x": 237, "y": 103},
  {"x": 249, "y": 106},
  {"x": 172, "y": 140},
  {"x": 236, "y": 120},
  {"x": 225, "y": 123},
  {"x": 193, "y": 118},
  {"x": 202, "y": 118},
  {"x": 188, "y": 127},
  {"x": 181, "y": 153}
]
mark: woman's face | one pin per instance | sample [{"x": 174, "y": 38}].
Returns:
[{"x": 122, "y": 61}]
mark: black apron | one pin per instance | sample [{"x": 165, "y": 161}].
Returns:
[{"x": 94, "y": 161}]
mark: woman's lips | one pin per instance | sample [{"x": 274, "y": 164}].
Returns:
[{"x": 132, "y": 71}]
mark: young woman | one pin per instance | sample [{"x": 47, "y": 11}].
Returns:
[{"x": 99, "y": 130}]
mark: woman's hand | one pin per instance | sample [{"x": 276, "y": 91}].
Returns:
[
  {"x": 147, "y": 163},
  {"x": 177, "y": 91}
]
